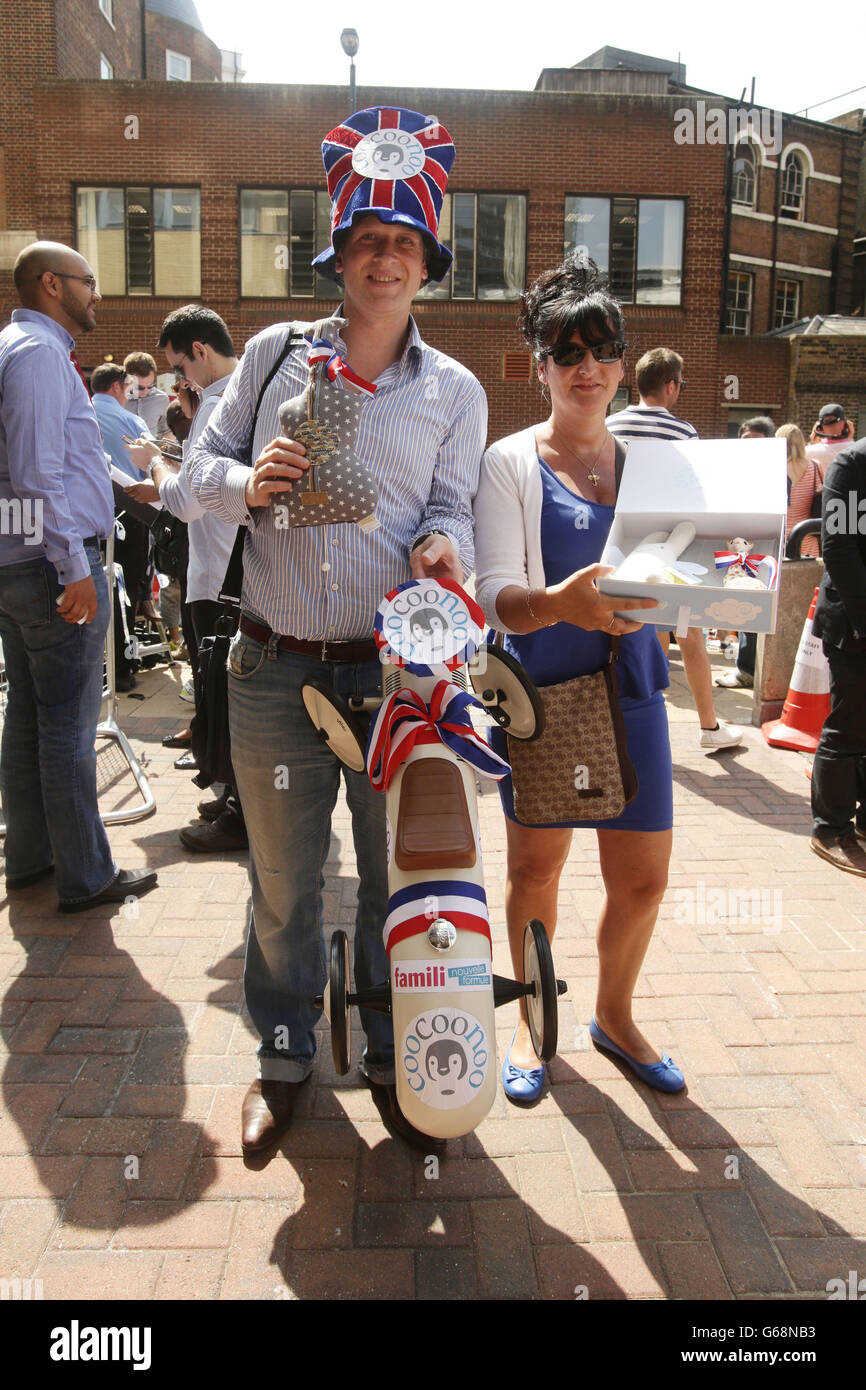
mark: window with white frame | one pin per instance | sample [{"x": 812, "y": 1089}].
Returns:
[
  {"x": 793, "y": 184},
  {"x": 141, "y": 241},
  {"x": 178, "y": 67},
  {"x": 787, "y": 308},
  {"x": 743, "y": 189},
  {"x": 107, "y": 8},
  {"x": 105, "y": 68},
  {"x": 281, "y": 231},
  {"x": 739, "y": 302},
  {"x": 638, "y": 242},
  {"x": 486, "y": 234}
]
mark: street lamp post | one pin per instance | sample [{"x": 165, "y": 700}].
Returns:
[{"x": 349, "y": 42}]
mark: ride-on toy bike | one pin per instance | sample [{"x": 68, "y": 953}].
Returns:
[{"x": 424, "y": 752}]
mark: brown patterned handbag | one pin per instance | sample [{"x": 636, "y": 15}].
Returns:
[{"x": 579, "y": 769}]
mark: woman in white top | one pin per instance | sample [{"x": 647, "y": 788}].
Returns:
[{"x": 543, "y": 510}]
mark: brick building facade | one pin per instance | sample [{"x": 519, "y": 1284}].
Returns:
[{"x": 99, "y": 164}]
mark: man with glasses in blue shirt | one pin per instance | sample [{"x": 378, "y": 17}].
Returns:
[{"x": 53, "y": 591}]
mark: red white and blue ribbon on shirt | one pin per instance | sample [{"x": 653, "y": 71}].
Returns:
[
  {"x": 413, "y": 908},
  {"x": 750, "y": 563},
  {"x": 324, "y": 351},
  {"x": 405, "y": 722}
]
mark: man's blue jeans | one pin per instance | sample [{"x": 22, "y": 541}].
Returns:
[
  {"x": 48, "y": 755},
  {"x": 288, "y": 782}
]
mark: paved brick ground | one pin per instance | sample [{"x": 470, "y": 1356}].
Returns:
[{"x": 126, "y": 1055}]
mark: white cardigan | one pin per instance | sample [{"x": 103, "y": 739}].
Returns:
[{"x": 508, "y": 522}]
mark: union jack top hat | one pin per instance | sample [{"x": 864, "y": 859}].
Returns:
[{"x": 391, "y": 162}]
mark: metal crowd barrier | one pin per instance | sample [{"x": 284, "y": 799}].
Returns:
[{"x": 117, "y": 751}]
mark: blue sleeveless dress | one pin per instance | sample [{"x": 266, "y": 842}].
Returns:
[{"x": 573, "y": 534}]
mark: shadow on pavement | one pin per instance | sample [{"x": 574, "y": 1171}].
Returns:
[{"x": 93, "y": 1083}]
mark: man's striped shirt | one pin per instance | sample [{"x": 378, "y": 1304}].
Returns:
[
  {"x": 422, "y": 437},
  {"x": 649, "y": 422}
]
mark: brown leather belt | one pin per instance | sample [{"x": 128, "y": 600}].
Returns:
[{"x": 322, "y": 651}]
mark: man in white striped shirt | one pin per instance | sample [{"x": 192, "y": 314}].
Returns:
[
  {"x": 659, "y": 377},
  {"x": 308, "y": 604}
]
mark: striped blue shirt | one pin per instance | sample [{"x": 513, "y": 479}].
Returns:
[
  {"x": 422, "y": 437},
  {"x": 649, "y": 422}
]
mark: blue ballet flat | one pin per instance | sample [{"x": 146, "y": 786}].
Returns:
[
  {"x": 662, "y": 1076},
  {"x": 522, "y": 1085}
]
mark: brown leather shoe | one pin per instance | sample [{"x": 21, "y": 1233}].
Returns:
[
  {"x": 846, "y": 853},
  {"x": 267, "y": 1113},
  {"x": 394, "y": 1120}
]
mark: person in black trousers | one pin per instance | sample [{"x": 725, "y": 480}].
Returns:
[{"x": 839, "y": 770}]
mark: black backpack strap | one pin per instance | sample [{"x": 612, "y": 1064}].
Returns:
[
  {"x": 230, "y": 591},
  {"x": 292, "y": 341}
]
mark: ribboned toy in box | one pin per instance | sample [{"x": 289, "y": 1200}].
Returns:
[{"x": 700, "y": 526}]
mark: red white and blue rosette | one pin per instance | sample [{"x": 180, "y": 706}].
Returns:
[
  {"x": 427, "y": 624},
  {"x": 725, "y": 558},
  {"x": 405, "y": 721}
]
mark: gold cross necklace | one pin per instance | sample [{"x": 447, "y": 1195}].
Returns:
[{"x": 591, "y": 475}]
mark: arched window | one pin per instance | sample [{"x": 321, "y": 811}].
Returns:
[
  {"x": 744, "y": 176},
  {"x": 793, "y": 183}
]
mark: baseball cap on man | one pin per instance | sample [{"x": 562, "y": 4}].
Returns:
[
  {"x": 831, "y": 413},
  {"x": 395, "y": 164}
]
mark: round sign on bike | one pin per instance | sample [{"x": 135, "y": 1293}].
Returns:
[{"x": 428, "y": 624}]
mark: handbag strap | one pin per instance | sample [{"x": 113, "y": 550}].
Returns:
[{"x": 230, "y": 589}]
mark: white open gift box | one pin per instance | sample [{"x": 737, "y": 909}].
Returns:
[{"x": 727, "y": 488}]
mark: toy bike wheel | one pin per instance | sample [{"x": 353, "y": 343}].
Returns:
[
  {"x": 338, "y": 1002},
  {"x": 507, "y": 693},
  {"x": 541, "y": 1005},
  {"x": 336, "y": 723}
]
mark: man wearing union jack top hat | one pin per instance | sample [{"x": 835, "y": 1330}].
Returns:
[{"x": 310, "y": 591}]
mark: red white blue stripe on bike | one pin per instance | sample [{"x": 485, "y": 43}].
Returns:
[{"x": 412, "y": 909}]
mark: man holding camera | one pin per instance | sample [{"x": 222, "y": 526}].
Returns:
[
  {"x": 831, "y": 433},
  {"x": 199, "y": 349}
]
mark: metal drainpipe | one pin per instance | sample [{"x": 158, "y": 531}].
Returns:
[
  {"x": 776, "y": 230},
  {"x": 793, "y": 368},
  {"x": 143, "y": 40},
  {"x": 726, "y": 244}
]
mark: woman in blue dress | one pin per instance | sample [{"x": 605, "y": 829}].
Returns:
[{"x": 543, "y": 511}]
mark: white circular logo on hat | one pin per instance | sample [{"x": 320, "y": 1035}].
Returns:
[{"x": 388, "y": 154}]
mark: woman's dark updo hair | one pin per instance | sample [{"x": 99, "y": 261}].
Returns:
[{"x": 571, "y": 299}]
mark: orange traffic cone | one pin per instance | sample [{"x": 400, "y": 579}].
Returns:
[{"x": 808, "y": 702}]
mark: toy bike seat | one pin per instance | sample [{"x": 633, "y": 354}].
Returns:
[{"x": 434, "y": 827}]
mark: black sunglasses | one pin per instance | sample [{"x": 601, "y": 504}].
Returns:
[{"x": 571, "y": 354}]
